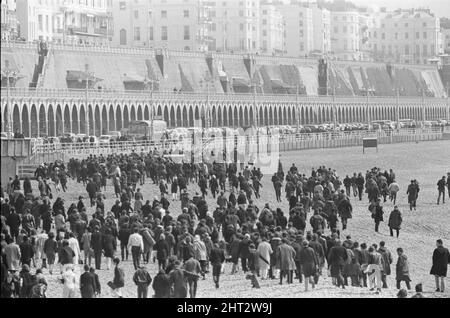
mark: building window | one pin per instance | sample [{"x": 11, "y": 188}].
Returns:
[
  {"x": 406, "y": 49},
  {"x": 163, "y": 14},
  {"x": 136, "y": 14},
  {"x": 383, "y": 36},
  {"x": 264, "y": 21},
  {"x": 213, "y": 14},
  {"x": 186, "y": 13},
  {"x": 432, "y": 49},
  {"x": 123, "y": 37},
  {"x": 417, "y": 49},
  {"x": 264, "y": 32},
  {"x": 406, "y": 35},
  {"x": 396, "y": 36},
  {"x": 187, "y": 35},
  {"x": 164, "y": 33},
  {"x": 150, "y": 14},
  {"x": 383, "y": 25},
  {"x": 344, "y": 29},
  {"x": 375, "y": 34},
  {"x": 40, "y": 23},
  {"x": 264, "y": 11},
  {"x": 417, "y": 35},
  {"x": 336, "y": 29},
  {"x": 424, "y": 24},
  {"x": 424, "y": 35},
  {"x": 137, "y": 33},
  {"x": 241, "y": 13},
  {"x": 425, "y": 50},
  {"x": 122, "y": 5},
  {"x": 241, "y": 27},
  {"x": 150, "y": 33}
]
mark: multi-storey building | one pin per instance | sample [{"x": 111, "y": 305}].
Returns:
[
  {"x": 446, "y": 40},
  {"x": 171, "y": 24},
  {"x": 345, "y": 35},
  {"x": 272, "y": 29},
  {"x": 299, "y": 29},
  {"x": 9, "y": 30},
  {"x": 67, "y": 21},
  {"x": 235, "y": 25},
  {"x": 411, "y": 36},
  {"x": 322, "y": 29}
]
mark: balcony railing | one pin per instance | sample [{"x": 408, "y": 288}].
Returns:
[{"x": 211, "y": 97}]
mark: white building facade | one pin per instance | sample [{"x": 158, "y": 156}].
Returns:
[
  {"x": 234, "y": 25},
  {"x": 299, "y": 29},
  {"x": 272, "y": 30},
  {"x": 345, "y": 35},
  {"x": 64, "y": 21},
  {"x": 411, "y": 36}
]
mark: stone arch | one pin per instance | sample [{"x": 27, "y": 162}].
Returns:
[
  {"x": 166, "y": 115},
  {"x": 82, "y": 120},
  {"x": 111, "y": 118},
  {"x": 25, "y": 121},
  {"x": 225, "y": 116},
  {"x": 43, "y": 125},
  {"x": 91, "y": 120},
  {"x": 75, "y": 121},
  {"x": 246, "y": 119},
  {"x": 146, "y": 112},
  {"x": 179, "y": 120},
  {"x": 172, "y": 116},
  {"x": 34, "y": 121},
  {"x": 213, "y": 116},
  {"x": 126, "y": 117},
  {"x": 266, "y": 116},
  {"x": 185, "y": 117},
  {"x": 241, "y": 116},
  {"x": 251, "y": 117},
  {"x": 119, "y": 118},
  {"x": 133, "y": 113},
  {"x": 139, "y": 113},
  {"x": 59, "y": 121},
  {"x": 98, "y": 121},
  {"x": 280, "y": 116},
  {"x": 286, "y": 120},
  {"x": 196, "y": 113},
  {"x": 236, "y": 117},
  {"x": 16, "y": 119},
  {"x": 275, "y": 115},
  {"x": 67, "y": 119},
  {"x": 105, "y": 121},
  {"x": 230, "y": 116},
  {"x": 191, "y": 117}
]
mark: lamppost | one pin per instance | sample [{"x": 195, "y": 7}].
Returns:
[
  {"x": 334, "y": 113},
  {"x": 422, "y": 93},
  {"x": 9, "y": 73},
  {"x": 397, "y": 91},
  {"x": 254, "y": 85},
  {"x": 152, "y": 83},
  {"x": 448, "y": 100},
  {"x": 297, "y": 108},
  {"x": 88, "y": 76}
]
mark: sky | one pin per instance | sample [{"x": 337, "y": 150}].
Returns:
[{"x": 440, "y": 7}]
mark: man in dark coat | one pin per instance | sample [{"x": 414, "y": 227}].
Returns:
[
  {"x": 97, "y": 246},
  {"x": 142, "y": 279},
  {"x": 87, "y": 283},
  {"x": 441, "y": 190},
  {"x": 98, "y": 286},
  {"x": 336, "y": 260},
  {"x": 217, "y": 258},
  {"x": 377, "y": 213},
  {"x": 161, "y": 285},
  {"x": 177, "y": 280},
  {"x": 309, "y": 263},
  {"x": 395, "y": 221},
  {"x": 413, "y": 193},
  {"x": 386, "y": 262},
  {"x": 345, "y": 211},
  {"x": 441, "y": 259}
]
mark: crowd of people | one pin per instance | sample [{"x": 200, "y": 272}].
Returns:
[{"x": 41, "y": 231}]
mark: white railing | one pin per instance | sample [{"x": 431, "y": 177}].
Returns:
[
  {"x": 202, "y": 96},
  {"x": 346, "y": 137}
]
